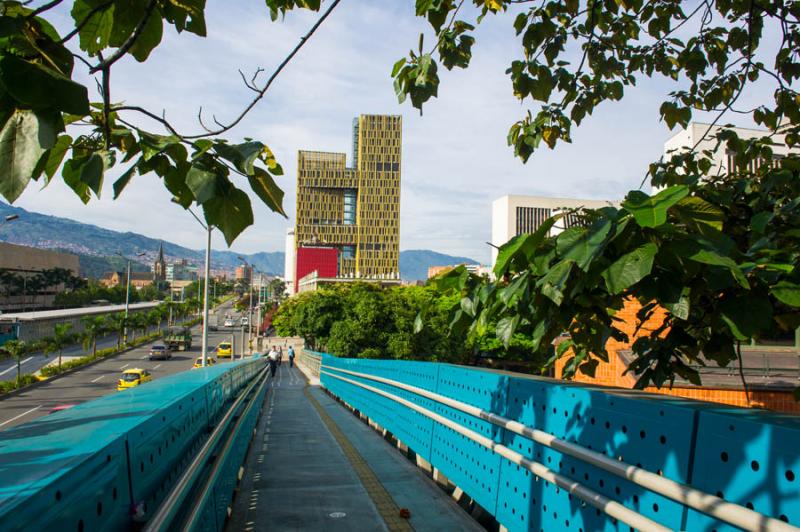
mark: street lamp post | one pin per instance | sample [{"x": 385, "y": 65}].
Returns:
[
  {"x": 249, "y": 309},
  {"x": 207, "y": 270},
  {"x": 127, "y": 293}
]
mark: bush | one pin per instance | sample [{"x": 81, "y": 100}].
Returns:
[{"x": 24, "y": 380}]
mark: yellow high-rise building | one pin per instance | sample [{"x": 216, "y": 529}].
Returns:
[{"x": 355, "y": 209}]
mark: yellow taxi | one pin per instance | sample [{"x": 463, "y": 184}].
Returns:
[
  {"x": 133, "y": 377},
  {"x": 198, "y": 363},
  {"x": 224, "y": 349}
]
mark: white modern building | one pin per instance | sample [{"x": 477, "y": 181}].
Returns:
[
  {"x": 288, "y": 262},
  {"x": 514, "y": 215},
  {"x": 702, "y": 137}
]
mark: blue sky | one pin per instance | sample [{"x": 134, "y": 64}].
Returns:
[{"x": 455, "y": 157}]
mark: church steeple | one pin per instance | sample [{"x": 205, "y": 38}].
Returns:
[{"x": 160, "y": 266}]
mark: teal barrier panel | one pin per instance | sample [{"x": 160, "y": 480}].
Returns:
[
  {"x": 748, "y": 457},
  {"x": 94, "y": 466}
]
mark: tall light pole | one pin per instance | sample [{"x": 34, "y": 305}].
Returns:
[
  {"x": 128, "y": 292},
  {"x": 207, "y": 270},
  {"x": 249, "y": 307}
]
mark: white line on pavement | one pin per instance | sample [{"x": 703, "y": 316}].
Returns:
[
  {"x": 156, "y": 367},
  {"x": 15, "y": 366},
  {"x": 98, "y": 378},
  {"x": 145, "y": 357},
  {"x": 125, "y": 366},
  {"x": 34, "y": 409}
]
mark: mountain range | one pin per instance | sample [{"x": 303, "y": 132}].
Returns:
[{"x": 97, "y": 247}]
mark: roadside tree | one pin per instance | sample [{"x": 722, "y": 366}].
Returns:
[{"x": 17, "y": 349}]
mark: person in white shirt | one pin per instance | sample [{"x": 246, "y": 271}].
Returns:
[{"x": 272, "y": 358}]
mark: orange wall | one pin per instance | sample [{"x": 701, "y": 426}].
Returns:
[{"x": 611, "y": 373}]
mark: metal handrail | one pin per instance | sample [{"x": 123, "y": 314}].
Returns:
[
  {"x": 598, "y": 500},
  {"x": 167, "y": 512},
  {"x": 697, "y": 499}
]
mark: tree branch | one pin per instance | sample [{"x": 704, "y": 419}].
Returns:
[
  {"x": 42, "y": 9},
  {"x": 131, "y": 40}
]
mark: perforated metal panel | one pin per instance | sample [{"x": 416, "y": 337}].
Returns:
[
  {"x": 469, "y": 465},
  {"x": 412, "y": 428},
  {"x": 73, "y": 469},
  {"x": 655, "y": 435},
  {"x": 750, "y": 458}
]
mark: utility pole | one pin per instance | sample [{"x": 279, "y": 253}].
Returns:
[{"x": 127, "y": 293}]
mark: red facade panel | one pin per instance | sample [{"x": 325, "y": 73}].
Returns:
[{"x": 324, "y": 260}]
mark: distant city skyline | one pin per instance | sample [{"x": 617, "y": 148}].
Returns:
[{"x": 455, "y": 157}]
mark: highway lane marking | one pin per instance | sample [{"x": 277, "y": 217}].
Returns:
[
  {"x": 156, "y": 367},
  {"x": 15, "y": 366},
  {"x": 34, "y": 409},
  {"x": 145, "y": 357},
  {"x": 98, "y": 378},
  {"x": 125, "y": 366}
]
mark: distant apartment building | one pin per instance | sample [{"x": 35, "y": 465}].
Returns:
[
  {"x": 181, "y": 270},
  {"x": 23, "y": 285},
  {"x": 514, "y": 215},
  {"x": 244, "y": 273},
  {"x": 702, "y": 137},
  {"x": 354, "y": 212}
]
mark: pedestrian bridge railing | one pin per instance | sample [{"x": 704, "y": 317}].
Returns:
[
  {"x": 164, "y": 455},
  {"x": 541, "y": 454},
  {"x": 310, "y": 360}
]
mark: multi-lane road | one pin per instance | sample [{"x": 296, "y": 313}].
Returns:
[{"x": 100, "y": 379}]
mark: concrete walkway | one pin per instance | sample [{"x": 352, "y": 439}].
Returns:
[{"x": 315, "y": 466}]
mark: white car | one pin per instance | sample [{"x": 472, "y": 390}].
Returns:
[
  {"x": 229, "y": 323},
  {"x": 245, "y": 320}
]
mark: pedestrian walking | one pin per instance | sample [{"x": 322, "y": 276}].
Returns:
[
  {"x": 280, "y": 355},
  {"x": 272, "y": 359},
  {"x": 291, "y": 356}
]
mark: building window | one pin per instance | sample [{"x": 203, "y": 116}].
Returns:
[
  {"x": 530, "y": 218},
  {"x": 349, "y": 211},
  {"x": 348, "y": 252}
]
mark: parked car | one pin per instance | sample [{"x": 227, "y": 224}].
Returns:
[
  {"x": 229, "y": 322},
  {"x": 133, "y": 377},
  {"x": 160, "y": 352},
  {"x": 245, "y": 321}
]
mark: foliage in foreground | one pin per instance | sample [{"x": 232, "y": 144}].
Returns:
[{"x": 721, "y": 256}]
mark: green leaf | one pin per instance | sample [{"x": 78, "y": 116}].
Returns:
[
  {"x": 397, "y": 66},
  {"x": 522, "y": 246},
  {"x": 582, "y": 244},
  {"x": 95, "y": 31},
  {"x": 553, "y": 283},
  {"x": 230, "y": 211},
  {"x": 652, "y": 211},
  {"x": 630, "y": 268},
  {"x": 266, "y": 189},
  {"x": 122, "y": 182},
  {"x": 39, "y": 87},
  {"x": 149, "y": 38},
  {"x": 746, "y": 315},
  {"x": 85, "y": 174},
  {"x": 700, "y": 250},
  {"x": 700, "y": 211},
  {"x": 202, "y": 182},
  {"x": 680, "y": 309},
  {"x": 787, "y": 293},
  {"x": 418, "y": 324},
  {"x": 506, "y": 327},
  {"x": 241, "y": 155},
  {"x": 56, "y": 156},
  {"x": 23, "y": 140},
  {"x": 152, "y": 144}
]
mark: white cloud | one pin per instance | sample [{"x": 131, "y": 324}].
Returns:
[{"x": 455, "y": 157}]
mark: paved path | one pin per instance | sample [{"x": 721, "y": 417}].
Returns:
[{"x": 314, "y": 466}]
